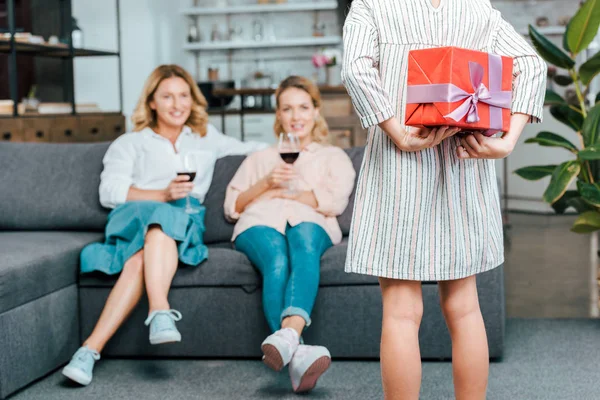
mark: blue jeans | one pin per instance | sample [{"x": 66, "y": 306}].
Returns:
[{"x": 290, "y": 265}]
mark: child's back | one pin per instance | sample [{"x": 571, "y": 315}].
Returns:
[{"x": 426, "y": 215}]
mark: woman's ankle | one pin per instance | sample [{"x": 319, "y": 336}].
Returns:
[
  {"x": 93, "y": 345},
  {"x": 294, "y": 322},
  {"x": 162, "y": 306}
]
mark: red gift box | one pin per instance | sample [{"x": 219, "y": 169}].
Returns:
[{"x": 457, "y": 87}]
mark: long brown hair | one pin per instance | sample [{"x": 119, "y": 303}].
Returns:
[
  {"x": 144, "y": 116},
  {"x": 320, "y": 132}
]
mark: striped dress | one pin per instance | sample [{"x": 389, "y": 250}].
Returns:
[{"x": 427, "y": 215}]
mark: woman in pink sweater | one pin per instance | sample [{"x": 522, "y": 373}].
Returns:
[{"x": 285, "y": 233}]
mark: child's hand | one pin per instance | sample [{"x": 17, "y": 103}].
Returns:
[
  {"x": 483, "y": 147},
  {"x": 415, "y": 139}
]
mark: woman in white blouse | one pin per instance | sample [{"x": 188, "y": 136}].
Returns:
[{"x": 149, "y": 231}]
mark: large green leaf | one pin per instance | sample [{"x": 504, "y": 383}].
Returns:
[
  {"x": 554, "y": 98},
  {"x": 579, "y": 205},
  {"x": 561, "y": 205},
  {"x": 587, "y": 222},
  {"x": 589, "y": 153},
  {"x": 591, "y": 127},
  {"x": 549, "y": 51},
  {"x": 565, "y": 41},
  {"x": 590, "y": 69},
  {"x": 535, "y": 172},
  {"x": 567, "y": 116},
  {"x": 584, "y": 26},
  {"x": 589, "y": 192},
  {"x": 562, "y": 177},
  {"x": 563, "y": 80},
  {"x": 550, "y": 139}
]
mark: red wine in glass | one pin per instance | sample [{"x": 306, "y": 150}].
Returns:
[
  {"x": 191, "y": 175},
  {"x": 290, "y": 158},
  {"x": 188, "y": 206}
]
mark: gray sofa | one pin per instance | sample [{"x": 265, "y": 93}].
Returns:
[{"x": 49, "y": 210}]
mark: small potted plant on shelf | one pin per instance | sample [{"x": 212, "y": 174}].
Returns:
[{"x": 329, "y": 59}]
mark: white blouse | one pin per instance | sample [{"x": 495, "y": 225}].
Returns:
[{"x": 149, "y": 161}]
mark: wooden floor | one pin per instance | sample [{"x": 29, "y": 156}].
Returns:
[{"x": 547, "y": 271}]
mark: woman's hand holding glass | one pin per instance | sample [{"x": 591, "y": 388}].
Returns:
[
  {"x": 289, "y": 150},
  {"x": 179, "y": 188},
  {"x": 280, "y": 176},
  {"x": 189, "y": 171}
]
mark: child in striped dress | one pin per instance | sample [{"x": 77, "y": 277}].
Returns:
[{"x": 437, "y": 193}]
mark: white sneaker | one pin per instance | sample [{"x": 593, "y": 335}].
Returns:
[
  {"x": 279, "y": 347},
  {"x": 307, "y": 366}
]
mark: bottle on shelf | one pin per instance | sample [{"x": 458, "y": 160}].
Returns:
[
  {"x": 76, "y": 35},
  {"x": 193, "y": 34}
]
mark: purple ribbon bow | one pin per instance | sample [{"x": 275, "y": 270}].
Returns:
[{"x": 495, "y": 97}]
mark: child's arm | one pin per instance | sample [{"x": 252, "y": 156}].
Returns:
[
  {"x": 529, "y": 89},
  {"x": 360, "y": 68}
]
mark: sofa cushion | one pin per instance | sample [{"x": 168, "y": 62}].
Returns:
[
  {"x": 51, "y": 186},
  {"x": 356, "y": 155},
  {"x": 228, "y": 267},
  {"x": 35, "y": 264},
  {"x": 218, "y": 229}
]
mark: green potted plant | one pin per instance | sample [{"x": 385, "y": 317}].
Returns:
[{"x": 580, "y": 115}]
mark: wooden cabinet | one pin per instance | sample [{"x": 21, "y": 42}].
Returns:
[
  {"x": 349, "y": 127},
  {"x": 63, "y": 128},
  {"x": 114, "y": 126},
  {"x": 11, "y": 131},
  {"x": 92, "y": 129},
  {"x": 36, "y": 129}
]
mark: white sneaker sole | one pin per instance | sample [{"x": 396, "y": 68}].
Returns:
[
  {"x": 165, "y": 337},
  {"x": 76, "y": 375},
  {"x": 309, "y": 379},
  {"x": 271, "y": 357}
]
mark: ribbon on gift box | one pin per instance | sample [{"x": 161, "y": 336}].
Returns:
[{"x": 495, "y": 97}]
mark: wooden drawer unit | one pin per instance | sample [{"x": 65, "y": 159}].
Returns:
[
  {"x": 92, "y": 129},
  {"x": 114, "y": 126},
  {"x": 341, "y": 138},
  {"x": 11, "y": 130},
  {"x": 65, "y": 130},
  {"x": 336, "y": 105},
  {"x": 357, "y": 135},
  {"x": 37, "y": 129}
]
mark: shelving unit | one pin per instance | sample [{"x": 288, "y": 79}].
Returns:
[
  {"x": 261, "y": 8},
  {"x": 249, "y": 44},
  {"x": 47, "y": 50},
  {"x": 67, "y": 52},
  {"x": 231, "y": 46}
]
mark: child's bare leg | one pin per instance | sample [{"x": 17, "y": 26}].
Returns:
[
  {"x": 470, "y": 357},
  {"x": 400, "y": 355}
]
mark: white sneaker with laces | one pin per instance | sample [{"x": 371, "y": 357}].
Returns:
[
  {"x": 279, "y": 347},
  {"x": 307, "y": 366}
]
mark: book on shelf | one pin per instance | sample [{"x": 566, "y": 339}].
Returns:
[{"x": 6, "y": 108}]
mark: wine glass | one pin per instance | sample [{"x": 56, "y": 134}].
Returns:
[
  {"x": 189, "y": 170},
  {"x": 289, "y": 150}
]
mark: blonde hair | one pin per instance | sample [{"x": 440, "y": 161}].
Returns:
[
  {"x": 144, "y": 116},
  {"x": 320, "y": 132}
]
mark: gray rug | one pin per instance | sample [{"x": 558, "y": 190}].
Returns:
[{"x": 545, "y": 360}]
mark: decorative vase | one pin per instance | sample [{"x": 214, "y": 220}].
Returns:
[{"x": 333, "y": 75}]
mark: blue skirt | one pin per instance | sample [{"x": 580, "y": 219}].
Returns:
[{"x": 126, "y": 231}]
